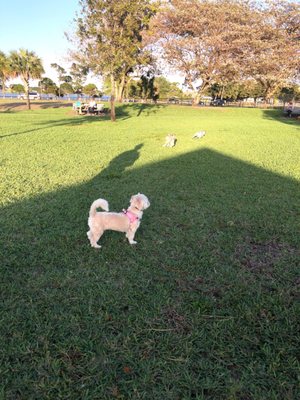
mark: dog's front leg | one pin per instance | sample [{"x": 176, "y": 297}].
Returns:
[{"x": 130, "y": 236}]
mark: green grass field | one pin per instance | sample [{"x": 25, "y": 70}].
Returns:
[{"x": 205, "y": 306}]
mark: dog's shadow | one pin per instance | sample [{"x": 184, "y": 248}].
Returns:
[
  {"x": 111, "y": 184},
  {"x": 50, "y": 220},
  {"x": 118, "y": 165}
]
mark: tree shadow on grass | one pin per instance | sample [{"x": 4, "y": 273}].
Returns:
[
  {"x": 123, "y": 112},
  {"x": 139, "y": 109},
  {"x": 18, "y": 106},
  {"x": 278, "y": 115},
  {"x": 74, "y": 121},
  {"x": 216, "y": 251},
  {"x": 122, "y": 109}
]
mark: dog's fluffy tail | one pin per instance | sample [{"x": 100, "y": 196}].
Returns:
[{"x": 98, "y": 203}]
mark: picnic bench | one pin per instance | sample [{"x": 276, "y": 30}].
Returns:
[{"x": 87, "y": 109}]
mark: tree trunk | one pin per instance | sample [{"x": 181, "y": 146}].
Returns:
[
  {"x": 112, "y": 100},
  {"x": 121, "y": 87},
  {"x": 270, "y": 89},
  {"x": 3, "y": 87},
  {"x": 222, "y": 92},
  {"x": 198, "y": 96},
  {"x": 196, "y": 99},
  {"x": 26, "y": 86}
]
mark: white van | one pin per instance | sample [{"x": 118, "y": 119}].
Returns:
[{"x": 32, "y": 96}]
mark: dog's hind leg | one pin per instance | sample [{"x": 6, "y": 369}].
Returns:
[{"x": 94, "y": 238}]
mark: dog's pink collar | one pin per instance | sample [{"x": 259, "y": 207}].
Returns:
[{"x": 132, "y": 217}]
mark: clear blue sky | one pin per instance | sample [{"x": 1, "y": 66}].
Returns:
[{"x": 39, "y": 26}]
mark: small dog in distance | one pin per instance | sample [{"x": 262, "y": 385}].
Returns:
[
  {"x": 170, "y": 140},
  {"x": 199, "y": 134}
]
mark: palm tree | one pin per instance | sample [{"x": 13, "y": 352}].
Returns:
[
  {"x": 4, "y": 70},
  {"x": 26, "y": 65}
]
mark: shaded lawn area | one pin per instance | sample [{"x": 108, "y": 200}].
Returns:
[{"x": 206, "y": 306}]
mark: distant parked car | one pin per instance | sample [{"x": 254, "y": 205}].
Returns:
[
  {"x": 32, "y": 96},
  {"x": 217, "y": 103},
  {"x": 187, "y": 102},
  {"x": 173, "y": 100}
]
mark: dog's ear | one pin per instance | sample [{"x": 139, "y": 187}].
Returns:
[
  {"x": 133, "y": 199},
  {"x": 146, "y": 204},
  {"x": 137, "y": 201}
]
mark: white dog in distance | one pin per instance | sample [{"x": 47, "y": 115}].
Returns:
[
  {"x": 170, "y": 140},
  {"x": 199, "y": 135}
]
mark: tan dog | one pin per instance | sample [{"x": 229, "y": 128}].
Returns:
[
  {"x": 170, "y": 140},
  {"x": 127, "y": 221}
]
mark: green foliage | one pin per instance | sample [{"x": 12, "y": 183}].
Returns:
[
  {"x": 60, "y": 71},
  {"x": 90, "y": 89},
  {"x": 17, "y": 88},
  {"x": 110, "y": 35},
  {"x": 116, "y": 29},
  {"x": 167, "y": 89},
  {"x": 4, "y": 70},
  {"x": 78, "y": 73},
  {"x": 48, "y": 86},
  {"x": 236, "y": 90},
  {"x": 147, "y": 88},
  {"x": 153, "y": 88},
  {"x": 133, "y": 90},
  {"x": 62, "y": 77},
  {"x": 290, "y": 93},
  {"x": 67, "y": 79},
  {"x": 26, "y": 65},
  {"x": 66, "y": 88}
]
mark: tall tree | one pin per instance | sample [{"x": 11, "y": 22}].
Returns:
[
  {"x": 202, "y": 39},
  {"x": 66, "y": 88},
  {"x": 47, "y": 86},
  {"x": 147, "y": 88},
  {"x": 90, "y": 89},
  {"x": 26, "y": 65},
  {"x": 220, "y": 41},
  {"x": 167, "y": 89},
  {"x": 78, "y": 73},
  {"x": 273, "y": 51},
  {"x": 4, "y": 71},
  {"x": 61, "y": 74},
  {"x": 17, "y": 88},
  {"x": 110, "y": 39}
]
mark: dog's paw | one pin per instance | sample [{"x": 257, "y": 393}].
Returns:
[
  {"x": 133, "y": 242},
  {"x": 96, "y": 246}
]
